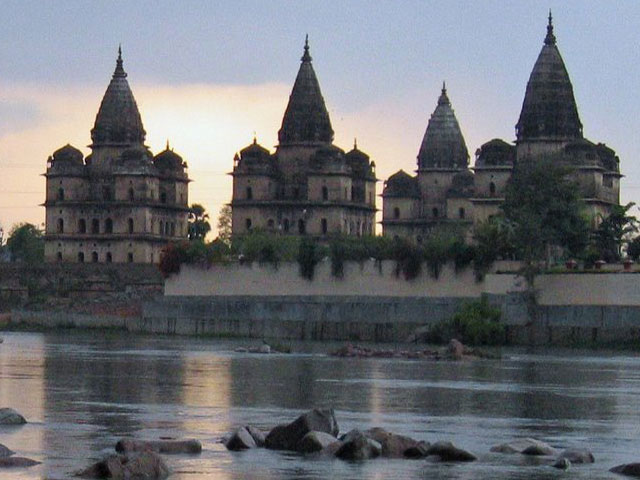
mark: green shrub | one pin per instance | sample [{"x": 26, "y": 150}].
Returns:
[
  {"x": 477, "y": 323},
  {"x": 308, "y": 257}
]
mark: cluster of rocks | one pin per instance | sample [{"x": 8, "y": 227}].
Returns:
[
  {"x": 455, "y": 350},
  {"x": 317, "y": 433},
  {"x": 8, "y": 416},
  {"x": 139, "y": 459}
]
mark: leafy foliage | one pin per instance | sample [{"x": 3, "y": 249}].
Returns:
[
  {"x": 544, "y": 207},
  {"x": 477, "y": 323},
  {"x": 26, "y": 243},
  {"x": 609, "y": 237},
  {"x": 224, "y": 224},
  {"x": 198, "y": 222},
  {"x": 633, "y": 249}
]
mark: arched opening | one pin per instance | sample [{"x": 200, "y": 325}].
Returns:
[
  {"x": 435, "y": 212},
  {"x": 396, "y": 212},
  {"x": 108, "y": 226},
  {"x": 249, "y": 193},
  {"x": 106, "y": 193},
  {"x": 81, "y": 257},
  {"x": 285, "y": 225},
  {"x": 163, "y": 197},
  {"x": 94, "y": 257},
  {"x": 61, "y": 193},
  {"x": 323, "y": 226},
  {"x": 130, "y": 225},
  {"x": 247, "y": 224},
  {"x": 173, "y": 229},
  {"x": 132, "y": 196},
  {"x": 130, "y": 257},
  {"x": 492, "y": 188},
  {"x": 95, "y": 226},
  {"x": 60, "y": 227},
  {"x": 325, "y": 193},
  {"x": 302, "y": 228},
  {"x": 109, "y": 258},
  {"x": 461, "y": 212},
  {"x": 59, "y": 256},
  {"x": 82, "y": 226},
  {"x": 161, "y": 231}
]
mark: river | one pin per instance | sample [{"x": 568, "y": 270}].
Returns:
[{"x": 82, "y": 391}]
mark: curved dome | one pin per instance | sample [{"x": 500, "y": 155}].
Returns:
[
  {"x": 118, "y": 120},
  {"x": 401, "y": 185},
  {"x": 68, "y": 154},
  {"x": 462, "y": 185},
  {"x": 168, "y": 160},
  {"x": 255, "y": 150},
  {"x": 549, "y": 108},
  {"x": 494, "y": 153},
  {"x": 443, "y": 145}
]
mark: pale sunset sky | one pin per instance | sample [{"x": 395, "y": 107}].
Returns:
[{"x": 207, "y": 75}]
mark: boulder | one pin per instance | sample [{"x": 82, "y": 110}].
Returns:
[
  {"x": 147, "y": 465},
  {"x": 577, "y": 455},
  {"x": 258, "y": 435},
  {"x": 8, "y": 416},
  {"x": 315, "y": 441},
  {"x": 17, "y": 462},
  {"x": 630, "y": 469},
  {"x": 240, "y": 440},
  {"x": 562, "y": 464},
  {"x": 190, "y": 445},
  {"x": 527, "y": 446},
  {"x": 417, "y": 451},
  {"x": 455, "y": 349},
  {"x": 393, "y": 445},
  {"x": 448, "y": 452},
  {"x": 357, "y": 446},
  {"x": 287, "y": 437},
  {"x": 5, "y": 452}
]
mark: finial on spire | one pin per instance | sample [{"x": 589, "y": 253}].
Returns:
[
  {"x": 306, "y": 57},
  {"x": 355, "y": 143},
  {"x": 444, "y": 88},
  {"x": 167, "y": 144},
  {"x": 119, "y": 71},
  {"x": 443, "y": 100},
  {"x": 550, "y": 39},
  {"x": 255, "y": 138}
]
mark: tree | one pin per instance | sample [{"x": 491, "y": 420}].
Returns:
[
  {"x": 198, "y": 222},
  {"x": 610, "y": 235},
  {"x": 224, "y": 225},
  {"x": 633, "y": 249},
  {"x": 543, "y": 206},
  {"x": 26, "y": 243}
]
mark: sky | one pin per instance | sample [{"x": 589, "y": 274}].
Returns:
[{"x": 208, "y": 76}]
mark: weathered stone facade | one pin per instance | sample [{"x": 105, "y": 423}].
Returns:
[
  {"x": 308, "y": 186},
  {"x": 446, "y": 191},
  {"x": 119, "y": 204}
]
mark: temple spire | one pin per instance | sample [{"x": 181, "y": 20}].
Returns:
[
  {"x": 306, "y": 57},
  {"x": 119, "y": 71},
  {"x": 444, "y": 99},
  {"x": 550, "y": 39}
]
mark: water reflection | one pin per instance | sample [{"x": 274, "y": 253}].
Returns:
[{"x": 83, "y": 392}]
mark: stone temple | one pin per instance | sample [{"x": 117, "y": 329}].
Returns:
[
  {"x": 120, "y": 203},
  {"x": 308, "y": 186},
  {"x": 447, "y": 191}
]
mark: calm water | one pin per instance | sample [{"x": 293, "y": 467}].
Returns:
[{"x": 81, "y": 392}]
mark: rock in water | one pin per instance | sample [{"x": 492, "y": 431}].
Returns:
[
  {"x": 287, "y": 437},
  {"x": 448, "y": 452},
  {"x": 527, "y": 446},
  {"x": 393, "y": 446},
  {"x": 418, "y": 451},
  {"x": 240, "y": 440},
  {"x": 8, "y": 416},
  {"x": 190, "y": 445},
  {"x": 315, "y": 441},
  {"x": 357, "y": 446},
  {"x": 630, "y": 469},
  {"x": 455, "y": 349},
  {"x": 17, "y": 462},
  {"x": 562, "y": 464},
  {"x": 577, "y": 455},
  {"x": 142, "y": 465},
  {"x": 5, "y": 452},
  {"x": 258, "y": 435}
]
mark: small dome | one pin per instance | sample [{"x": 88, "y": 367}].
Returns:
[
  {"x": 68, "y": 154},
  {"x": 168, "y": 160},
  {"x": 462, "y": 185},
  {"x": 255, "y": 150},
  {"x": 495, "y": 153},
  {"x": 401, "y": 185},
  {"x": 608, "y": 157},
  {"x": 134, "y": 158}
]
